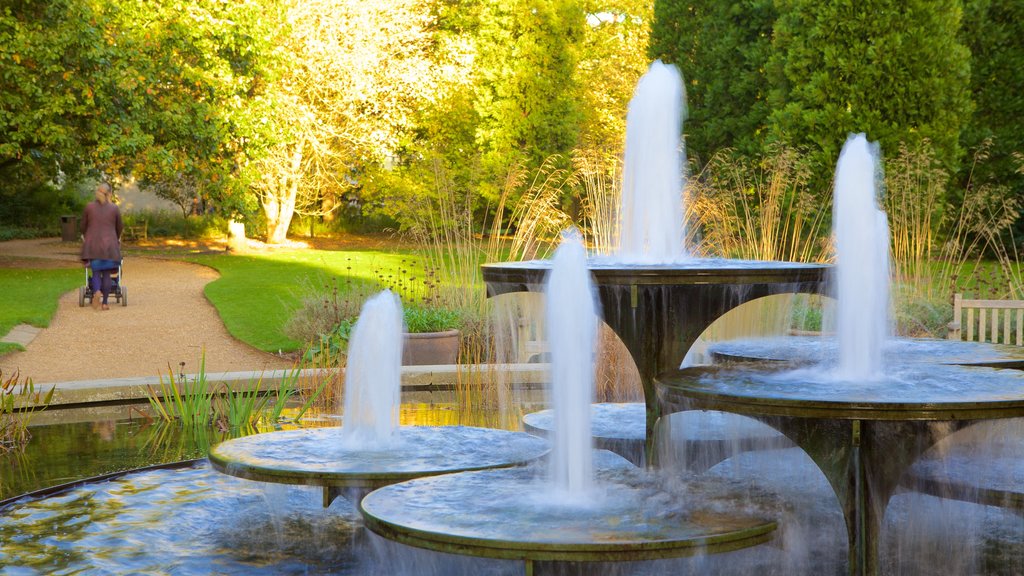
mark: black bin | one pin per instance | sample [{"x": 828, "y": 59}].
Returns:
[{"x": 69, "y": 228}]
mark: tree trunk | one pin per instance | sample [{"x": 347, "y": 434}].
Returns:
[{"x": 279, "y": 204}]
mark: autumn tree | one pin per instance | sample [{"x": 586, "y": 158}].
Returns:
[
  {"x": 357, "y": 71},
  {"x": 613, "y": 55}
]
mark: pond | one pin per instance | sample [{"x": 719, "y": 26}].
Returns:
[{"x": 68, "y": 445}]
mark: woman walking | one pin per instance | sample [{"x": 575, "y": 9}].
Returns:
[{"x": 101, "y": 243}]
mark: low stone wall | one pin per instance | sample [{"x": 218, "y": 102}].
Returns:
[{"x": 414, "y": 379}]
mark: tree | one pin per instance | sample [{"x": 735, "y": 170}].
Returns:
[
  {"x": 357, "y": 71},
  {"x": 993, "y": 31},
  {"x": 121, "y": 89},
  {"x": 893, "y": 69},
  {"x": 721, "y": 48},
  {"x": 60, "y": 101},
  {"x": 525, "y": 95},
  {"x": 193, "y": 66},
  {"x": 613, "y": 56}
]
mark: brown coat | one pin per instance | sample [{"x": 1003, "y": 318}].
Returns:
[{"x": 101, "y": 230}]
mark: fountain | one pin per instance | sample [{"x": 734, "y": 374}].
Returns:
[
  {"x": 863, "y": 423},
  {"x": 594, "y": 507},
  {"x": 370, "y": 449},
  {"x": 654, "y": 297}
]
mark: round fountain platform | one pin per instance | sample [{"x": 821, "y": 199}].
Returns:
[
  {"x": 991, "y": 474},
  {"x": 318, "y": 457},
  {"x": 626, "y": 421},
  {"x": 514, "y": 514},
  {"x": 864, "y": 436},
  {"x": 703, "y": 437},
  {"x": 911, "y": 392},
  {"x": 824, "y": 350},
  {"x": 518, "y": 276}
]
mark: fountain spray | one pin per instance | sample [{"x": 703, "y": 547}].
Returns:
[
  {"x": 651, "y": 213},
  {"x": 373, "y": 376},
  {"x": 862, "y": 262},
  {"x": 571, "y": 314}
]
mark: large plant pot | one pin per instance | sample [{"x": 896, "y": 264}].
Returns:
[{"x": 431, "y": 348}]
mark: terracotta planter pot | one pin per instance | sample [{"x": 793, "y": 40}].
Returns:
[{"x": 431, "y": 348}]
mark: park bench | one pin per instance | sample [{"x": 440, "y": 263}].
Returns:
[
  {"x": 996, "y": 321},
  {"x": 138, "y": 231},
  {"x": 532, "y": 345}
]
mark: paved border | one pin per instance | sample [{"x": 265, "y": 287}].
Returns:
[
  {"x": 414, "y": 378},
  {"x": 22, "y": 334}
]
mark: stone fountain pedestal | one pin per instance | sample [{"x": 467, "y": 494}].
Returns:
[
  {"x": 864, "y": 438},
  {"x": 659, "y": 311}
]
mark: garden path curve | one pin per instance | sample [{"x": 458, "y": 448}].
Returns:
[{"x": 167, "y": 321}]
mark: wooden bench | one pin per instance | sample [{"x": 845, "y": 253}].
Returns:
[
  {"x": 531, "y": 342},
  {"x": 136, "y": 231},
  {"x": 996, "y": 321}
]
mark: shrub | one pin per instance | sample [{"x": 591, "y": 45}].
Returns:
[{"x": 419, "y": 320}]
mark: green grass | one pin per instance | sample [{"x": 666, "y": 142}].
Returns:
[
  {"x": 257, "y": 295},
  {"x": 30, "y": 297}
]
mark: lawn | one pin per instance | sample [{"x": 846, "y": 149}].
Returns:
[
  {"x": 257, "y": 295},
  {"x": 30, "y": 296}
]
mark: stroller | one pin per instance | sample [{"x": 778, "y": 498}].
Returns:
[{"x": 118, "y": 291}]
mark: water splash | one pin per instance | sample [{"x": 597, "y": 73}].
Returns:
[
  {"x": 651, "y": 214},
  {"x": 373, "y": 376},
  {"x": 862, "y": 262},
  {"x": 571, "y": 319}
]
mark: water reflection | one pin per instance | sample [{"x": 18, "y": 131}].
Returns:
[
  {"x": 118, "y": 439},
  {"x": 196, "y": 521}
]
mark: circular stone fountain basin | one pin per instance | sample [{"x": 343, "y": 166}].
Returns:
[
  {"x": 515, "y": 514},
  {"x": 622, "y": 428},
  {"x": 908, "y": 392},
  {"x": 628, "y": 421},
  {"x": 318, "y": 457},
  {"x": 991, "y": 474},
  {"x": 824, "y": 350},
  {"x": 608, "y": 271}
]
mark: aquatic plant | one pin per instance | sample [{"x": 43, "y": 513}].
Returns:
[
  {"x": 19, "y": 401},
  {"x": 196, "y": 402}
]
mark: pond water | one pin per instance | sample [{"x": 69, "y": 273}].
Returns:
[{"x": 71, "y": 445}]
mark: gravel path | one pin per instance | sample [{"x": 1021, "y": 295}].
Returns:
[{"x": 167, "y": 321}]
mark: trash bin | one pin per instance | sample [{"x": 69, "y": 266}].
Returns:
[{"x": 69, "y": 228}]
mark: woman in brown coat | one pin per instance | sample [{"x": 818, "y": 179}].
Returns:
[{"x": 101, "y": 242}]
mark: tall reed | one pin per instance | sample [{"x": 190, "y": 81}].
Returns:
[
  {"x": 197, "y": 402},
  {"x": 759, "y": 209},
  {"x": 940, "y": 248},
  {"x": 19, "y": 401}
]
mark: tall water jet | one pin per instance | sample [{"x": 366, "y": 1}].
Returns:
[
  {"x": 571, "y": 318},
  {"x": 651, "y": 215},
  {"x": 862, "y": 262},
  {"x": 373, "y": 376}
]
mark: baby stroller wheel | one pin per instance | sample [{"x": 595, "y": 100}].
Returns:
[
  {"x": 81, "y": 296},
  {"x": 124, "y": 296}
]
